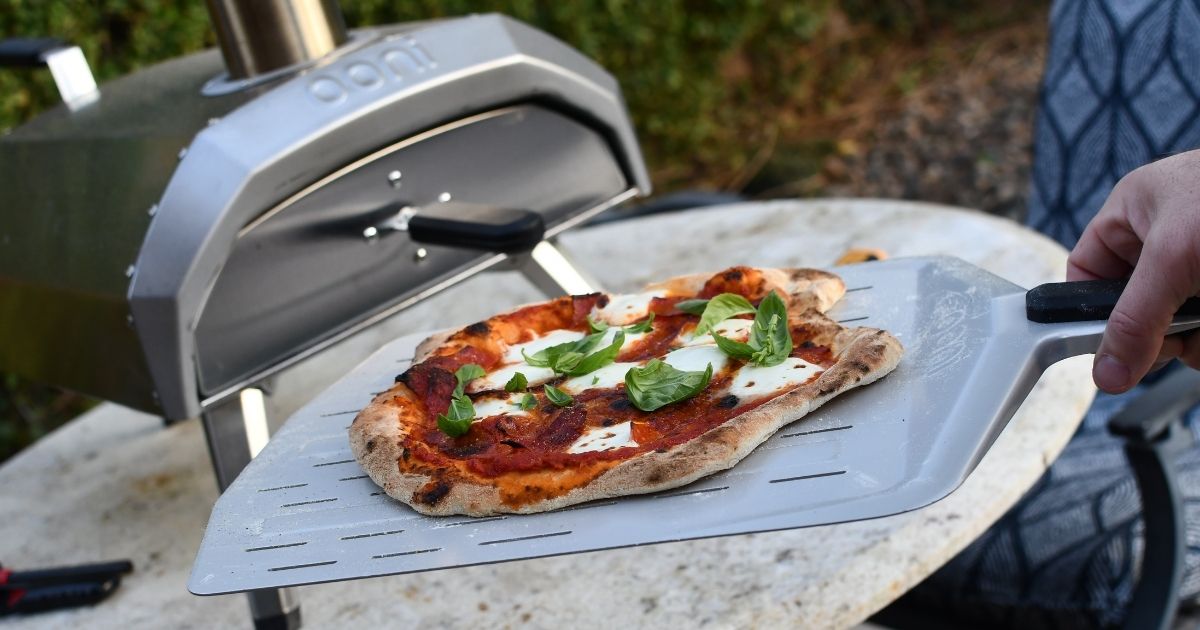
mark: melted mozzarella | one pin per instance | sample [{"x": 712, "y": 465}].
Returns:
[
  {"x": 496, "y": 379},
  {"x": 696, "y": 358},
  {"x": 552, "y": 338},
  {"x": 626, "y": 309},
  {"x": 502, "y": 406},
  {"x": 735, "y": 329},
  {"x": 608, "y": 376},
  {"x": 752, "y": 382},
  {"x": 604, "y": 439},
  {"x": 611, "y": 333}
]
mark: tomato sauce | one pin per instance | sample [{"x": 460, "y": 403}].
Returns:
[{"x": 498, "y": 445}]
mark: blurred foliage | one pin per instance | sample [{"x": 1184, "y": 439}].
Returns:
[
  {"x": 29, "y": 410},
  {"x": 724, "y": 93},
  {"x": 713, "y": 86}
]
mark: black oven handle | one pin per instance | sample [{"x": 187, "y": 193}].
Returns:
[
  {"x": 70, "y": 69},
  {"x": 28, "y": 52},
  {"x": 464, "y": 225}
]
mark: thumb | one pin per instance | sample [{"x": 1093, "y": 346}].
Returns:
[{"x": 1135, "y": 330}]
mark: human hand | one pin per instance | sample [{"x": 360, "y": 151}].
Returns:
[{"x": 1149, "y": 225}]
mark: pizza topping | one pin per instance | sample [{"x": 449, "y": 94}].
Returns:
[
  {"x": 517, "y": 383},
  {"x": 501, "y": 406},
  {"x": 558, "y": 397},
  {"x": 606, "y": 377},
  {"x": 721, "y": 308},
  {"x": 604, "y": 438},
  {"x": 694, "y": 358},
  {"x": 604, "y": 368},
  {"x": 641, "y": 327},
  {"x": 692, "y": 307},
  {"x": 517, "y": 352},
  {"x": 658, "y": 384},
  {"x": 600, "y": 358},
  {"x": 753, "y": 382},
  {"x": 564, "y": 428},
  {"x": 635, "y": 330},
  {"x": 729, "y": 401},
  {"x": 770, "y": 340},
  {"x": 498, "y": 378},
  {"x": 625, "y": 309},
  {"x": 735, "y": 329},
  {"x": 457, "y": 419}
]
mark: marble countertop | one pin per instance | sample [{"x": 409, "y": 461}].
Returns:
[{"x": 115, "y": 484}]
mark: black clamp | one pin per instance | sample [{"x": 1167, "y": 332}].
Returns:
[{"x": 59, "y": 587}]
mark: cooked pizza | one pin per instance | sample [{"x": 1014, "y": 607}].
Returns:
[{"x": 593, "y": 396}]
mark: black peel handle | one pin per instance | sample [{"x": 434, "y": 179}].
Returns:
[
  {"x": 1082, "y": 301},
  {"x": 475, "y": 226}
]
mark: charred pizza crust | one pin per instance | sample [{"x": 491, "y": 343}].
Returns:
[{"x": 862, "y": 355}]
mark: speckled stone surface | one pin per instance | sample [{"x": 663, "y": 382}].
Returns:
[{"x": 115, "y": 484}]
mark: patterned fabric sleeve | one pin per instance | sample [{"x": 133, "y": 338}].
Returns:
[{"x": 1121, "y": 88}]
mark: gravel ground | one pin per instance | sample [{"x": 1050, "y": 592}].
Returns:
[{"x": 963, "y": 137}]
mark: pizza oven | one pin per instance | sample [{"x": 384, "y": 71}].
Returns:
[{"x": 175, "y": 238}]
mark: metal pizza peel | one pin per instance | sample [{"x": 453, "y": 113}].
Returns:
[{"x": 304, "y": 512}]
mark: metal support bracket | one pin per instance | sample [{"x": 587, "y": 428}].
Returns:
[
  {"x": 553, "y": 272},
  {"x": 236, "y": 430},
  {"x": 1154, "y": 435},
  {"x": 67, "y": 65}
]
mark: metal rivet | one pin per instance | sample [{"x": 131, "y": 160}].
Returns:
[
  {"x": 213, "y": 121},
  {"x": 182, "y": 152},
  {"x": 129, "y": 320},
  {"x": 370, "y": 232},
  {"x": 129, "y": 271},
  {"x": 153, "y": 210},
  {"x": 394, "y": 178},
  {"x": 421, "y": 254},
  {"x": 444, "y": 197}
]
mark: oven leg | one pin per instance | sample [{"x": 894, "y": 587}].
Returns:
[
  {"x": 236, "y": 430},
  {"x": 549, "y": 269}
]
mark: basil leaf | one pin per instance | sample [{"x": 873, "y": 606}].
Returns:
[
  {"x": 641, "y": 327},
  {"x": 657, "y": 384},
  {"x": 566, "y": 362},
  {"x": 595, "y": 379},
  {"x": 558, "y": 397},
  {"x": 466, "y": 374},
  {"x": 517, "y": 383},
  {"x": 770, "y": 335},
  {"x": 735, "y": 349},
  {"x": 596, "y": 326},
  {"x": 720, "y": 309},
  {"x": 694, "y": 307},
  {"x": 457, "y": 419},
  {"x": 552, "y": 357},
  {"x": 600, "y": 358},
  {"x": 528, "y": 402},
  {"x": 539, "y": 358}
]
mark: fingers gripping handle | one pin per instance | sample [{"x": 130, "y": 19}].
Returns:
[{"x": 1088, "y": 300}]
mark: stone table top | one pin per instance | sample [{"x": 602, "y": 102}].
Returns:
[{"x": 115, "y": 484}]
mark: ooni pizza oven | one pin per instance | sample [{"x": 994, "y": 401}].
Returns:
[{"x": 175, "y": 237}]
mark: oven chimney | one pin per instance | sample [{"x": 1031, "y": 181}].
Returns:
[{"x": 258, "y": 36}]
